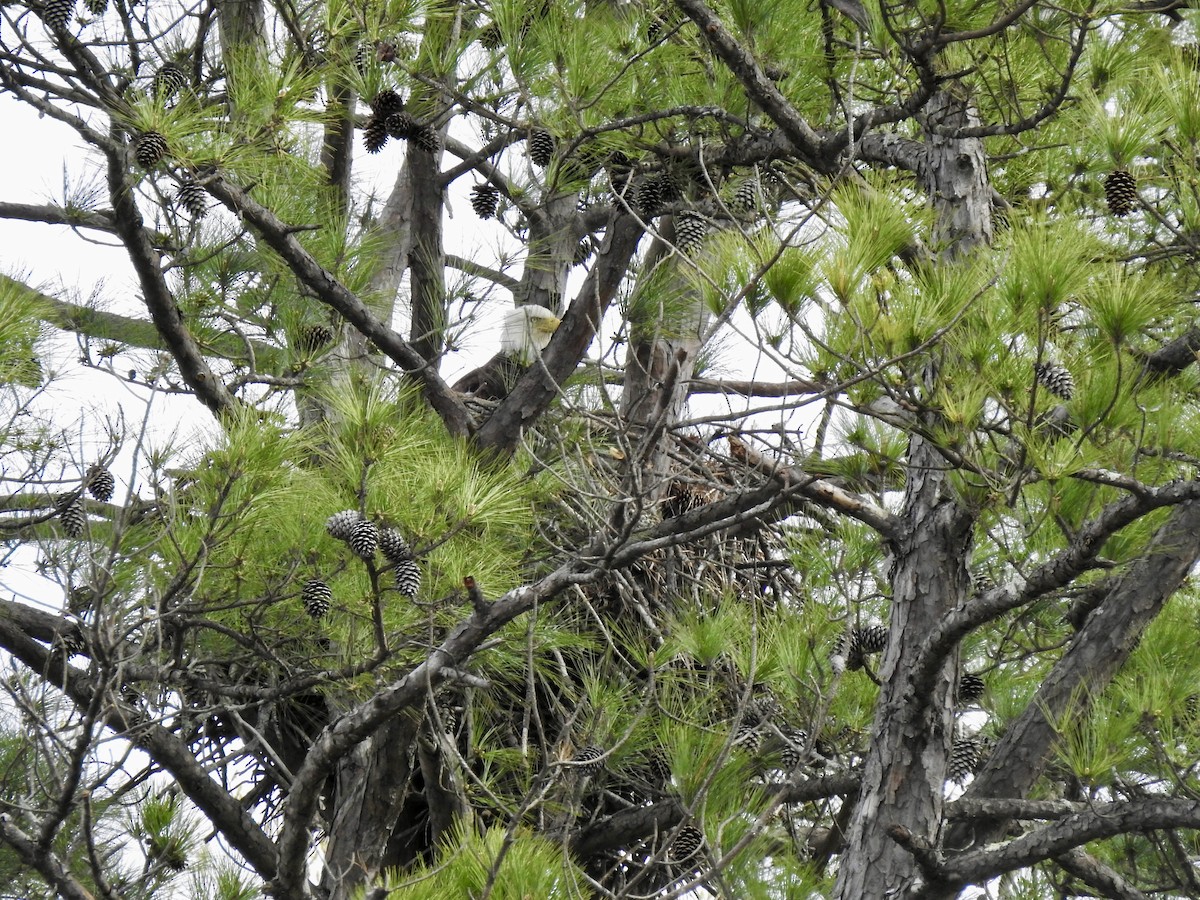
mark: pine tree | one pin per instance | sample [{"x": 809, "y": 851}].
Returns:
[{"x": 868, "y": 393}]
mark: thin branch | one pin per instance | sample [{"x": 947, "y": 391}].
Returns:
[{"x": 165, "y": 748}]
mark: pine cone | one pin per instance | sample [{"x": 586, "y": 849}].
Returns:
[
  {"x": 69, "y": 642},
  {"x": 364, "y": 538},
  {"x": 793, "y": 749},
  {"x": 149, "y": 149},
  {"x": 341, "y": 524},
  {"x": 314, "y": 337},
  {"x": 393, "y": 546},
  {"x": 401, "y": 125},
  {"x": 748, "y": 738},
  {"x": 426, "y": 138},
  {"x": 745, "y": 196},
  {"x": 73, "y": 518},
  {"x": 484, "y": 200},
  {"x": 649, "y": 197},
  {"x": 688, "y": 841},
  {"x": 169, "y": 80},
  {"x": 970, "y": 687},
  {"x": 385, "y": 103},
  {"x": 690, "y": 229},
  {"x": 100, "y": 482},
  {"x": 57, "y": 13},
  {"x": 966, "y": 756},
  {"x": 375, "y": 134},
  {"x": 1055, "y": 378},
  {"x": 408, "y": 577},
  {"x": 590, "y": 759},
  {"x": 871, "y": 638},
  {"x": 192, "y": 198},
  {"x": 541, "y": 147},
  {"x": 448, "y": 716},
  {"x": 1120, "y": 191},
  {"x": 317, "y": 597}
]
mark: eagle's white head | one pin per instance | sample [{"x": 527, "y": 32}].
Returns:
[{"x": 527, "y": 332}]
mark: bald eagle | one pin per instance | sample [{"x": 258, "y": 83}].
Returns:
[{"x": 525, "y": 334}]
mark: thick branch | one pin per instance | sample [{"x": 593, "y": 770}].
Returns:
[
  {"x": 52, "y": 214},
  {"x": 539, "y": 387},
  {"x": 1011, "y": 808},
  {"x": 157, "y": 295},
  {"x": 37, "y": 623},
  {"x": 1096, "y": 874},
  {"x": 280, "y": 238},
  {"x": 1175, "y": 356},
  {"x": 48, "y": 865},
  {"x": 1102, "y": 820},
  {"x": 1089, "y": 664},
  {"x": 1076, "y": 558},
  {"x": 793, "y": 388},
  {"x": 759, "y": 88}
]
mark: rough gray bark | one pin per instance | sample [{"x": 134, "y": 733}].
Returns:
[
  {"x": 370, "y": 796},
  {"x": 425, "y": 189},
  {"x": 241, "y": 27},
  {"x": 337, "y": 150},
  {"x": 905, "y": 770},
  {"x": 552, "y": 241},
  {"x": 426, "y": 259}
]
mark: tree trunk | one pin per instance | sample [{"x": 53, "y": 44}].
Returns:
[
  {"x": 241, "y": 25},
  {"x": 552, "y": 243},
  {"x": 426, "y": 259},
  {"x": 905, "y": 771},
  {"x": 372, "y": 786},
  {"x": 659, "y": 365}
]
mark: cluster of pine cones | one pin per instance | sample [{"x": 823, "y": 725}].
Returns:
[
  {"x": 72, "y": 516},
  {"x": 364, "y": 538},
  {"x": 389, "y": 119}
]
